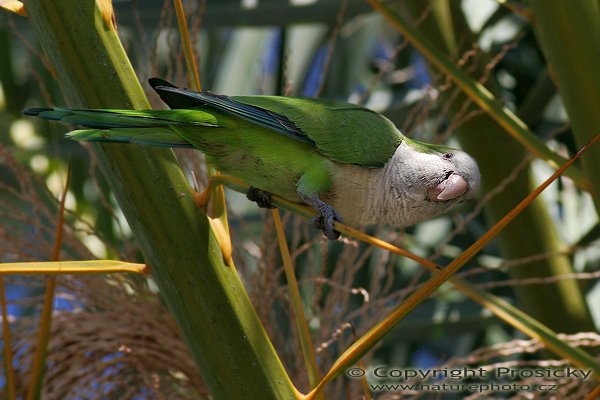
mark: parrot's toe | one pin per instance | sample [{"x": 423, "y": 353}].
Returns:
[
  {"x": 325, "y": 218},
  {"x": 324, "y": 221},
  {"x": 261, "y": 197},
  {"x": 326, "y": 227}
]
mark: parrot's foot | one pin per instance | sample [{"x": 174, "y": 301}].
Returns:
[
  {"x": 260, "y": 197},
  {"x": 325, "y": 217}
]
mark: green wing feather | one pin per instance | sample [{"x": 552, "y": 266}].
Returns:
[
  {"x": 343, "y": 132},
  {"x": 224, "y": 104}
]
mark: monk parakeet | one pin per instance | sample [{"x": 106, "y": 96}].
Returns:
[{"x": 349, "y": 163}]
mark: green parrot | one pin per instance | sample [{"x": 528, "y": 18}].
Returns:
[{"x": 349, "y": 163}]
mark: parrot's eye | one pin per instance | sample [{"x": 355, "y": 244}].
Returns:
[{"x": 448, "y": 156}]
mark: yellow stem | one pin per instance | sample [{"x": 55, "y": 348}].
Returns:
[
  {"x": 364, "y": 382},
  {"x": 42, "y": 340},
  {"x": 594, "y": 394},
  {"x": 72, "y": 267},
  {"x": 303, "y": 331},
  {"x": 7, "y": 343},
  {"x": 190, "y": 60},
  {"x": 219, "y": 211},
  {"x": 46, "y": 317},
  {"x": 13, "y": 6}
]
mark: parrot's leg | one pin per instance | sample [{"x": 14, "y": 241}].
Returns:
[
  {"x": 325, "y": 217},
  {"x": 260, "y": 197}
]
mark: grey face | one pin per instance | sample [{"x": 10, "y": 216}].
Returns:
[
  {"x": 460, "y": 180},
  {"x": 436, "y": 174},
  {"x": 421, "y": 182}
]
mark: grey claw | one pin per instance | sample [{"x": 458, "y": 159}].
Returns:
[
  {"x": 324, "y": 222},
  {"x": 325, "y": 218}
]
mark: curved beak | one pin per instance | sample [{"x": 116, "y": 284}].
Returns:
[{"x": 450, "y": 188}]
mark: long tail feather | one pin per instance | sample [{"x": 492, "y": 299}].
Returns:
[
  {"x": 107, "y": 119},
  {"x": 149, "y": 127},
  {"x": 162, "y": 137}
]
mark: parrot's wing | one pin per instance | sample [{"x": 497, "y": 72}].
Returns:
[
  {"x": 343, "y": 132},
  {"x": 181, "y": 98},
  {"x": 173, "y": 100}
]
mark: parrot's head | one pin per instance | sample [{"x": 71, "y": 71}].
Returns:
[
  {"x": 420, "y": 181},
  {"x": 447, "y": 174},
  {"x": 458, "y": 179},
  {"x": 427, "y": 180}
]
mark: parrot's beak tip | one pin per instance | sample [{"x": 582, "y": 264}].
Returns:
[{"x": 450, "y": 188}]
